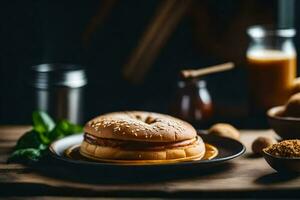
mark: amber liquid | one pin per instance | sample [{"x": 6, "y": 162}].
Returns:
[{"x": 271, "y": 77}]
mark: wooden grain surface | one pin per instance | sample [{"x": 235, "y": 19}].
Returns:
[{"x": 246, "y": 176}]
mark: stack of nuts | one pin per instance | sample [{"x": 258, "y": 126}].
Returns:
[{"x": 286, "y": 148}]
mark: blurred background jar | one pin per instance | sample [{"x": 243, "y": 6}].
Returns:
[
  {"x": 271, "y": 58},
  {"x": 193, "y": 103},
  {"x": 58, "y": 89}
]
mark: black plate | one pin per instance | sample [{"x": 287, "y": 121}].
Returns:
[{"x": 228, "y": 149}]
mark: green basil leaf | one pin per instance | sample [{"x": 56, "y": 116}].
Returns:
[
  {"x": 43, "y": 147},
  {"x": 30, "y": 139},
  {"x": 55, "y": 134},
  {"x": 74, "y": 128},
  {"x": 33, "y": 144},
  {"x": 24, "y": 155},
  {"x": 64, "y": 128},
  {"x": 69, "y": 128},
  {"x": 44, "y": 137},
  {"x": 42, "y": 122}
]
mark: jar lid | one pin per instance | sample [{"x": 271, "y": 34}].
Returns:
[
  {"x": 259, "y": 31},
  {"x": 47, "y": 75}
]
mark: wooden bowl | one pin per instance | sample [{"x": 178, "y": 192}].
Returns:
[
  {"x": 285, "y": 127},
  {"x": 282, "y": 164}
]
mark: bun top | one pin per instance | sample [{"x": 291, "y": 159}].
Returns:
[{"x": 140, "y": 126}]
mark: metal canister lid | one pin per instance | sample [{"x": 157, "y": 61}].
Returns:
[{"x": 65, "y": 75}]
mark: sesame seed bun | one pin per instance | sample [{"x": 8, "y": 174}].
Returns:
[
  {"x": 141, "y": 136},
  {"x": 140, "y": 126}
]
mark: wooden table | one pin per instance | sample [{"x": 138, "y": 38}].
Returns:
[{"x": 246, "y": 176}]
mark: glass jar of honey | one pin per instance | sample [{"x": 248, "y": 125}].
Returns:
[
  {"x": 271, "y": 64},
  {"x": 193, "y": 103}
]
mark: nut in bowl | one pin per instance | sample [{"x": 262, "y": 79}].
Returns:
[
  {"x": 284, "y": 156},
  {"x": 285, "y": 120},
  {"x": 286, "y": 127}
]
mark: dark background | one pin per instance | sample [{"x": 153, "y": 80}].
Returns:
[{"x": 34, "y": 32}]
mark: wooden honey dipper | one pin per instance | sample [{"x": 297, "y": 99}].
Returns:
[{"x": 195, "y": 73}]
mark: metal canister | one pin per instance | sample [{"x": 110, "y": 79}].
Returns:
[{"x": 58, "y": 89}]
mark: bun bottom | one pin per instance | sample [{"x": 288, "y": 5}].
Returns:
[{"x": 113, "y": 154}]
